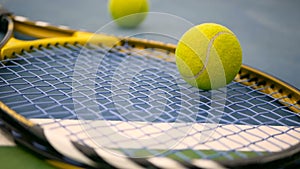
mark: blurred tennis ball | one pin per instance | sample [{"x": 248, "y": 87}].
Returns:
[
  {"x": 208, "y": 56},
  {"x": 128, "y": 13}
]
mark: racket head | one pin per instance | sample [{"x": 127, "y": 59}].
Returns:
[{"x": 154, "y": 63}]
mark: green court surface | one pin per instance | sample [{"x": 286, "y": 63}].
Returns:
[{"x": 14, "y": 157}]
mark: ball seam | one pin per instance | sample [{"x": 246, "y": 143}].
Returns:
[{"x": 210, "y": 44}]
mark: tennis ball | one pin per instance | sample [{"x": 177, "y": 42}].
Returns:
[
  {"x": 208, "y": 56},
  {"x": 128, "y": 13}
]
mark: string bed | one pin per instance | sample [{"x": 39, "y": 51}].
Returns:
[{"x": 133, "y": 101}]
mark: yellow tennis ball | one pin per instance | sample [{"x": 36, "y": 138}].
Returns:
[
  {"x": 128, "y": 13},
  {"x": 208, "y": 56}
]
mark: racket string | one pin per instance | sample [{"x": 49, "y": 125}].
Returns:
[{"x": 107, "y": 84}]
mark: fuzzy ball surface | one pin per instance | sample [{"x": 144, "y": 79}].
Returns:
[
  {"x": 128, "y": 13},
  {"x": 208, "y": 56}
]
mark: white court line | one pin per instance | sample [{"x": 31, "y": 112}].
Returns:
[
  {"x": 6, "y": 140},
  {"x": 174, "y": 135}
]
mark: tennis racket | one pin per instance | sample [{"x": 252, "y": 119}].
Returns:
[{"x": 81, "y": 100}]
